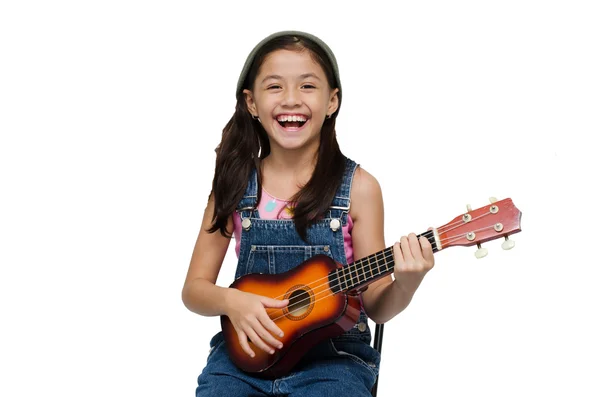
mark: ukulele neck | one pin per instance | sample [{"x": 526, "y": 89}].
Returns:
[{"x": 364, "y": 271}]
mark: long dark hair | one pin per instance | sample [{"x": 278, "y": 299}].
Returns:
[{"x": 245, "y": 142}]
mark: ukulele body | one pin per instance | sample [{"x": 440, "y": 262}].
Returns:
[{"x": 314, "y": 314}]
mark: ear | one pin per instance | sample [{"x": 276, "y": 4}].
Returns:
[
  {"x": 250, "y": 104},
  {"x": 334, "y": 101}
]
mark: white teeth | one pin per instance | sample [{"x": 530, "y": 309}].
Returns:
[{"x": 290, "y": 118}]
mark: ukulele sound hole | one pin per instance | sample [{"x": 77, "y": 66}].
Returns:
[{"x": 301, "y": 303}]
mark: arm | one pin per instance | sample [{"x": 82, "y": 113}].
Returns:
[
  {"x": 200, "y": 294},
  {"x": 388, "y": 296}
]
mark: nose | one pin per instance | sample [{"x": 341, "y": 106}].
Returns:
[{"x": 291, "y": 98}]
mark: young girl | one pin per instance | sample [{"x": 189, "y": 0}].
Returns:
[{"x": 284, "y": 190}]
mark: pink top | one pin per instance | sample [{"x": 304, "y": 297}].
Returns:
[{"x": 271, "y": 207}]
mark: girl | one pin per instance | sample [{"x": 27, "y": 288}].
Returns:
[{"x": 285, "y": 191}]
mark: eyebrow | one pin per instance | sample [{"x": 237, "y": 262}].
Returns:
[
  {"x": 307, "y": 75},
  {"x": 278, "y": 77}
]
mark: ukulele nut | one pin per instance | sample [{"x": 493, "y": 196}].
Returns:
[
  {"x": 494, "y": 209},
  {"x": 498, "y": 227},
  {"x": 470, "y": 236}
]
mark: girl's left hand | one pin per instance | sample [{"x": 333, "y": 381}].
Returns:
[{"x": 413, "y": 259}]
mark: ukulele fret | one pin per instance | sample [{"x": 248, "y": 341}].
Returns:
[
  {"x": 361, "y": 272},
  {"x": 390, "y": 265},
  {"x": 385, "y": 264},
  {"x": 355, "y": 277},
  {"x": 347, "y": 276}
]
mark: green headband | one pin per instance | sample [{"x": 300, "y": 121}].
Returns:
[{"x": 309, "y": 36}]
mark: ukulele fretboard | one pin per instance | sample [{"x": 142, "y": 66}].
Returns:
[{"x": 368, "y": 269}]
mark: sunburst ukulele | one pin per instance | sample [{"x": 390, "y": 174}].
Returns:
[{"x": 323, "y": 293}]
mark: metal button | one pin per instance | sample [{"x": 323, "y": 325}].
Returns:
[
  {"x": 246, "y": 223},
  {"x": 253, "y": 248},
  {"x": 326, "y": 248},
  {"x": 362, "y": 327},
  {"x": 335, "y": 224}
]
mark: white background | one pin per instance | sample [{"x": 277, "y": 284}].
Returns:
[{"x": 109, "y": 115}]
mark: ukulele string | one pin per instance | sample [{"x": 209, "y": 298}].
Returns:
[
  {"x": 352, "y": 279},
  {"x": 354, "y": 266},
  {"x": 326, "y": 289},
  {"x": 461, "y": 223}
]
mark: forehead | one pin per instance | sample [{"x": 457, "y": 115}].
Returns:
[{"x": 287, "y": 63}]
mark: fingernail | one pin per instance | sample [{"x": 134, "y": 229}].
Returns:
[
  {"x": 280, "y": 346},
  {"x": 272, "y": 351},
  {"x": 280, "y": 334},
  {"x": 252, "y": 355}
]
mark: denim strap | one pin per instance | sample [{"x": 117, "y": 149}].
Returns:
[
  {"x": 248, "y": 203},
  {"x": 340, "y": 206}
]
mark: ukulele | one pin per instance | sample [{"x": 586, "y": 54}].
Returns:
[{"x": 323, "y": 294}]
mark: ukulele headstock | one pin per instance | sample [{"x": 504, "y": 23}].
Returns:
[{"x": 497, "y": 220}]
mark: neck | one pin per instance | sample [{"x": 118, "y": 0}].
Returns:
[
  {"x": 364, "y": 271},
  {"x": 292, "y": 161},
  {"x": 285, "y": 172}
]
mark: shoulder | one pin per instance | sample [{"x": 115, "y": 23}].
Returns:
[{"x": 365, "y": 193}]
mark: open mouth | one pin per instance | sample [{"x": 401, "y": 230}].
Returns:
[{"x": 292, "y": 122}]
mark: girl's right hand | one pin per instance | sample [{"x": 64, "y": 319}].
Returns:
[{"x": 247, "y": 314}]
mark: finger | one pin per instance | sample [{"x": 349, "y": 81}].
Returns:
[
  {"x": 406, "y": 253},
  {"x": 274, "y": 303},
  {"x": 398, "y": 257},
  {"x": 258, "y": 342},
  {"x": 270, "y": 325},
  {"x": 266, "y": 334},
  {"x": 415, "y": 248},
  {"x": 425, "y": 243},
  {"x": 427, "y": 250},
  {"x": 243, "y": 338}
]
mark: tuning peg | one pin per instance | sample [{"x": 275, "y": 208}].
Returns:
[
  {"x": 508, "y": 243},
  {"x": 469, "y": 208},
  {"x": 493, "y": 200},
  {"x": 481, "y": 252}
]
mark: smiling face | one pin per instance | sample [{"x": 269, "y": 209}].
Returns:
[{"x": 292, "y": 98}]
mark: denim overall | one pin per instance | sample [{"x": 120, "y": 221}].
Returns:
[{"x": 341, "y": 365}]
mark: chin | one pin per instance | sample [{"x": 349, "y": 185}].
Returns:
[{"x": 292, "y": 145}]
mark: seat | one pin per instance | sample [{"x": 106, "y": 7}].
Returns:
[{"x": 377, "y": 342}]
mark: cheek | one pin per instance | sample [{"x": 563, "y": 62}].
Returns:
[
  {"x": 266, "y": 105},
  {"x": 316, "y": 105}
]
